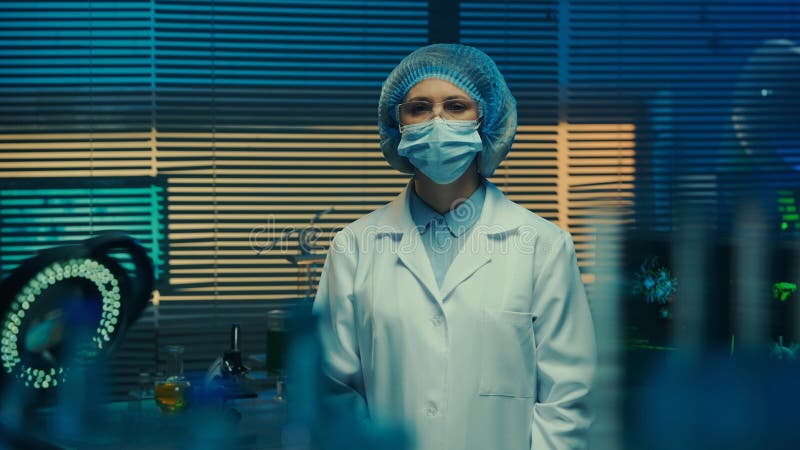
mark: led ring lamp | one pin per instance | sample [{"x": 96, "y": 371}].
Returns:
[{"x": 72, "y": 301}]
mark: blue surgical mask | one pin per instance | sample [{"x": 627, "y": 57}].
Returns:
[{"x": 441, "y": 149}]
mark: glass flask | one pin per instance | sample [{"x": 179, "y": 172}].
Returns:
[{"x": 172, "y": 393}]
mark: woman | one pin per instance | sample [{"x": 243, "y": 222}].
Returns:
[{"x": 452, "y": 309}]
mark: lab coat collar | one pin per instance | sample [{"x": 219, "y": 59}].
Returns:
[
  {"x": 499, "y": 215},
  {"x": 458, "y": 220},
  {"x": 499, "y": 218}
]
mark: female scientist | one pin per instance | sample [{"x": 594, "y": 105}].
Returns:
[{"x": 452, "y": 309}]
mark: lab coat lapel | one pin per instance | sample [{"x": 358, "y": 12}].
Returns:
[
  {"x": 411, "y": 251},
  {"x": 499, "y": 217},
  {"x": 413, "y": 255}
]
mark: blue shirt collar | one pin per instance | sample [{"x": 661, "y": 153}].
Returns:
[{"x": 458, "y": 220}]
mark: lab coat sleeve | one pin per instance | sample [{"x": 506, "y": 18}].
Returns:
[
  {"x": 565, "y": 347},
  {"x": 343, "y": 388}
]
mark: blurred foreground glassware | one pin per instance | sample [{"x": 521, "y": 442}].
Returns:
[{"x": 172, "y": 393}]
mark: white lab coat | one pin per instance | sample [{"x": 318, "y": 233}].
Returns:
[{"x": 502, "y": 357}]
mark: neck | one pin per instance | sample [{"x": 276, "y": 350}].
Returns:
[{"x": 444, "y": 197}]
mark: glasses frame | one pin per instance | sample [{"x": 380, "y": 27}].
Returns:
[{"x": 399, "y": 105}]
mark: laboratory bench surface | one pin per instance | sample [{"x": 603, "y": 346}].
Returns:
[{"x": 248, "y": 423}]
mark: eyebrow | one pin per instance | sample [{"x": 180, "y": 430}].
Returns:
[{"x": 452, "y": 97}]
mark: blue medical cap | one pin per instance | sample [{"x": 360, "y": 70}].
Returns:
[{"x": 471, "y": 70}]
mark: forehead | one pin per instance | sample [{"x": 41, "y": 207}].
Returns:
[{"x": 435, "y": 89}]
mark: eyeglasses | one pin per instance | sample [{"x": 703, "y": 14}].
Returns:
[{"x": 418, "y": 111}]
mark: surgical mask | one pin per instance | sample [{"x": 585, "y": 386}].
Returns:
[{"x": 441, "y": 149}]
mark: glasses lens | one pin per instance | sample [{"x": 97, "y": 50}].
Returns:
[
  {"x": 457, "y": 109},
  {"x": 415, "y": 112}
]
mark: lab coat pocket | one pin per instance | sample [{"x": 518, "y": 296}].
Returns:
[{"x": 508, "y": 354}]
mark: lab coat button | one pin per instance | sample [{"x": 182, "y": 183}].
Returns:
[
  {"x": 437, "y": 320},
  {"x": 431, "y": 409}
]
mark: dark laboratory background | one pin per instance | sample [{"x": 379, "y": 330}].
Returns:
[{"x": 209, "y": 150}]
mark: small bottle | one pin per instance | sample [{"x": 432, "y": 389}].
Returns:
[
  {"x": 172, "y": 393},
  {"x": 279, "y": 324}
]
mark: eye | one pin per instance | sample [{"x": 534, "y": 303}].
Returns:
[
  {"x": 458, "y": 107},
  {"x": 455, "y": 106},
  {"x": 417, "y": 108}
]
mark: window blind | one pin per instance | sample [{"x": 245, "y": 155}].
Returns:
[
  {"x": 257, "y": 114},
  {"x": 39, "y": 215},
  {"x": 710, "y": 91},
  {"x": 561, "y": 170},
  {"x": 75, "y": 110},
  {"x": 254, "y": 115},
  {"x": 266, "y": 116},
  {"x": 635, "y": 108},
  {"x": 75, "y": 89}
]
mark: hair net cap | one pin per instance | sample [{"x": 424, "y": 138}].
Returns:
[{"x": 471, "y": 70}]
